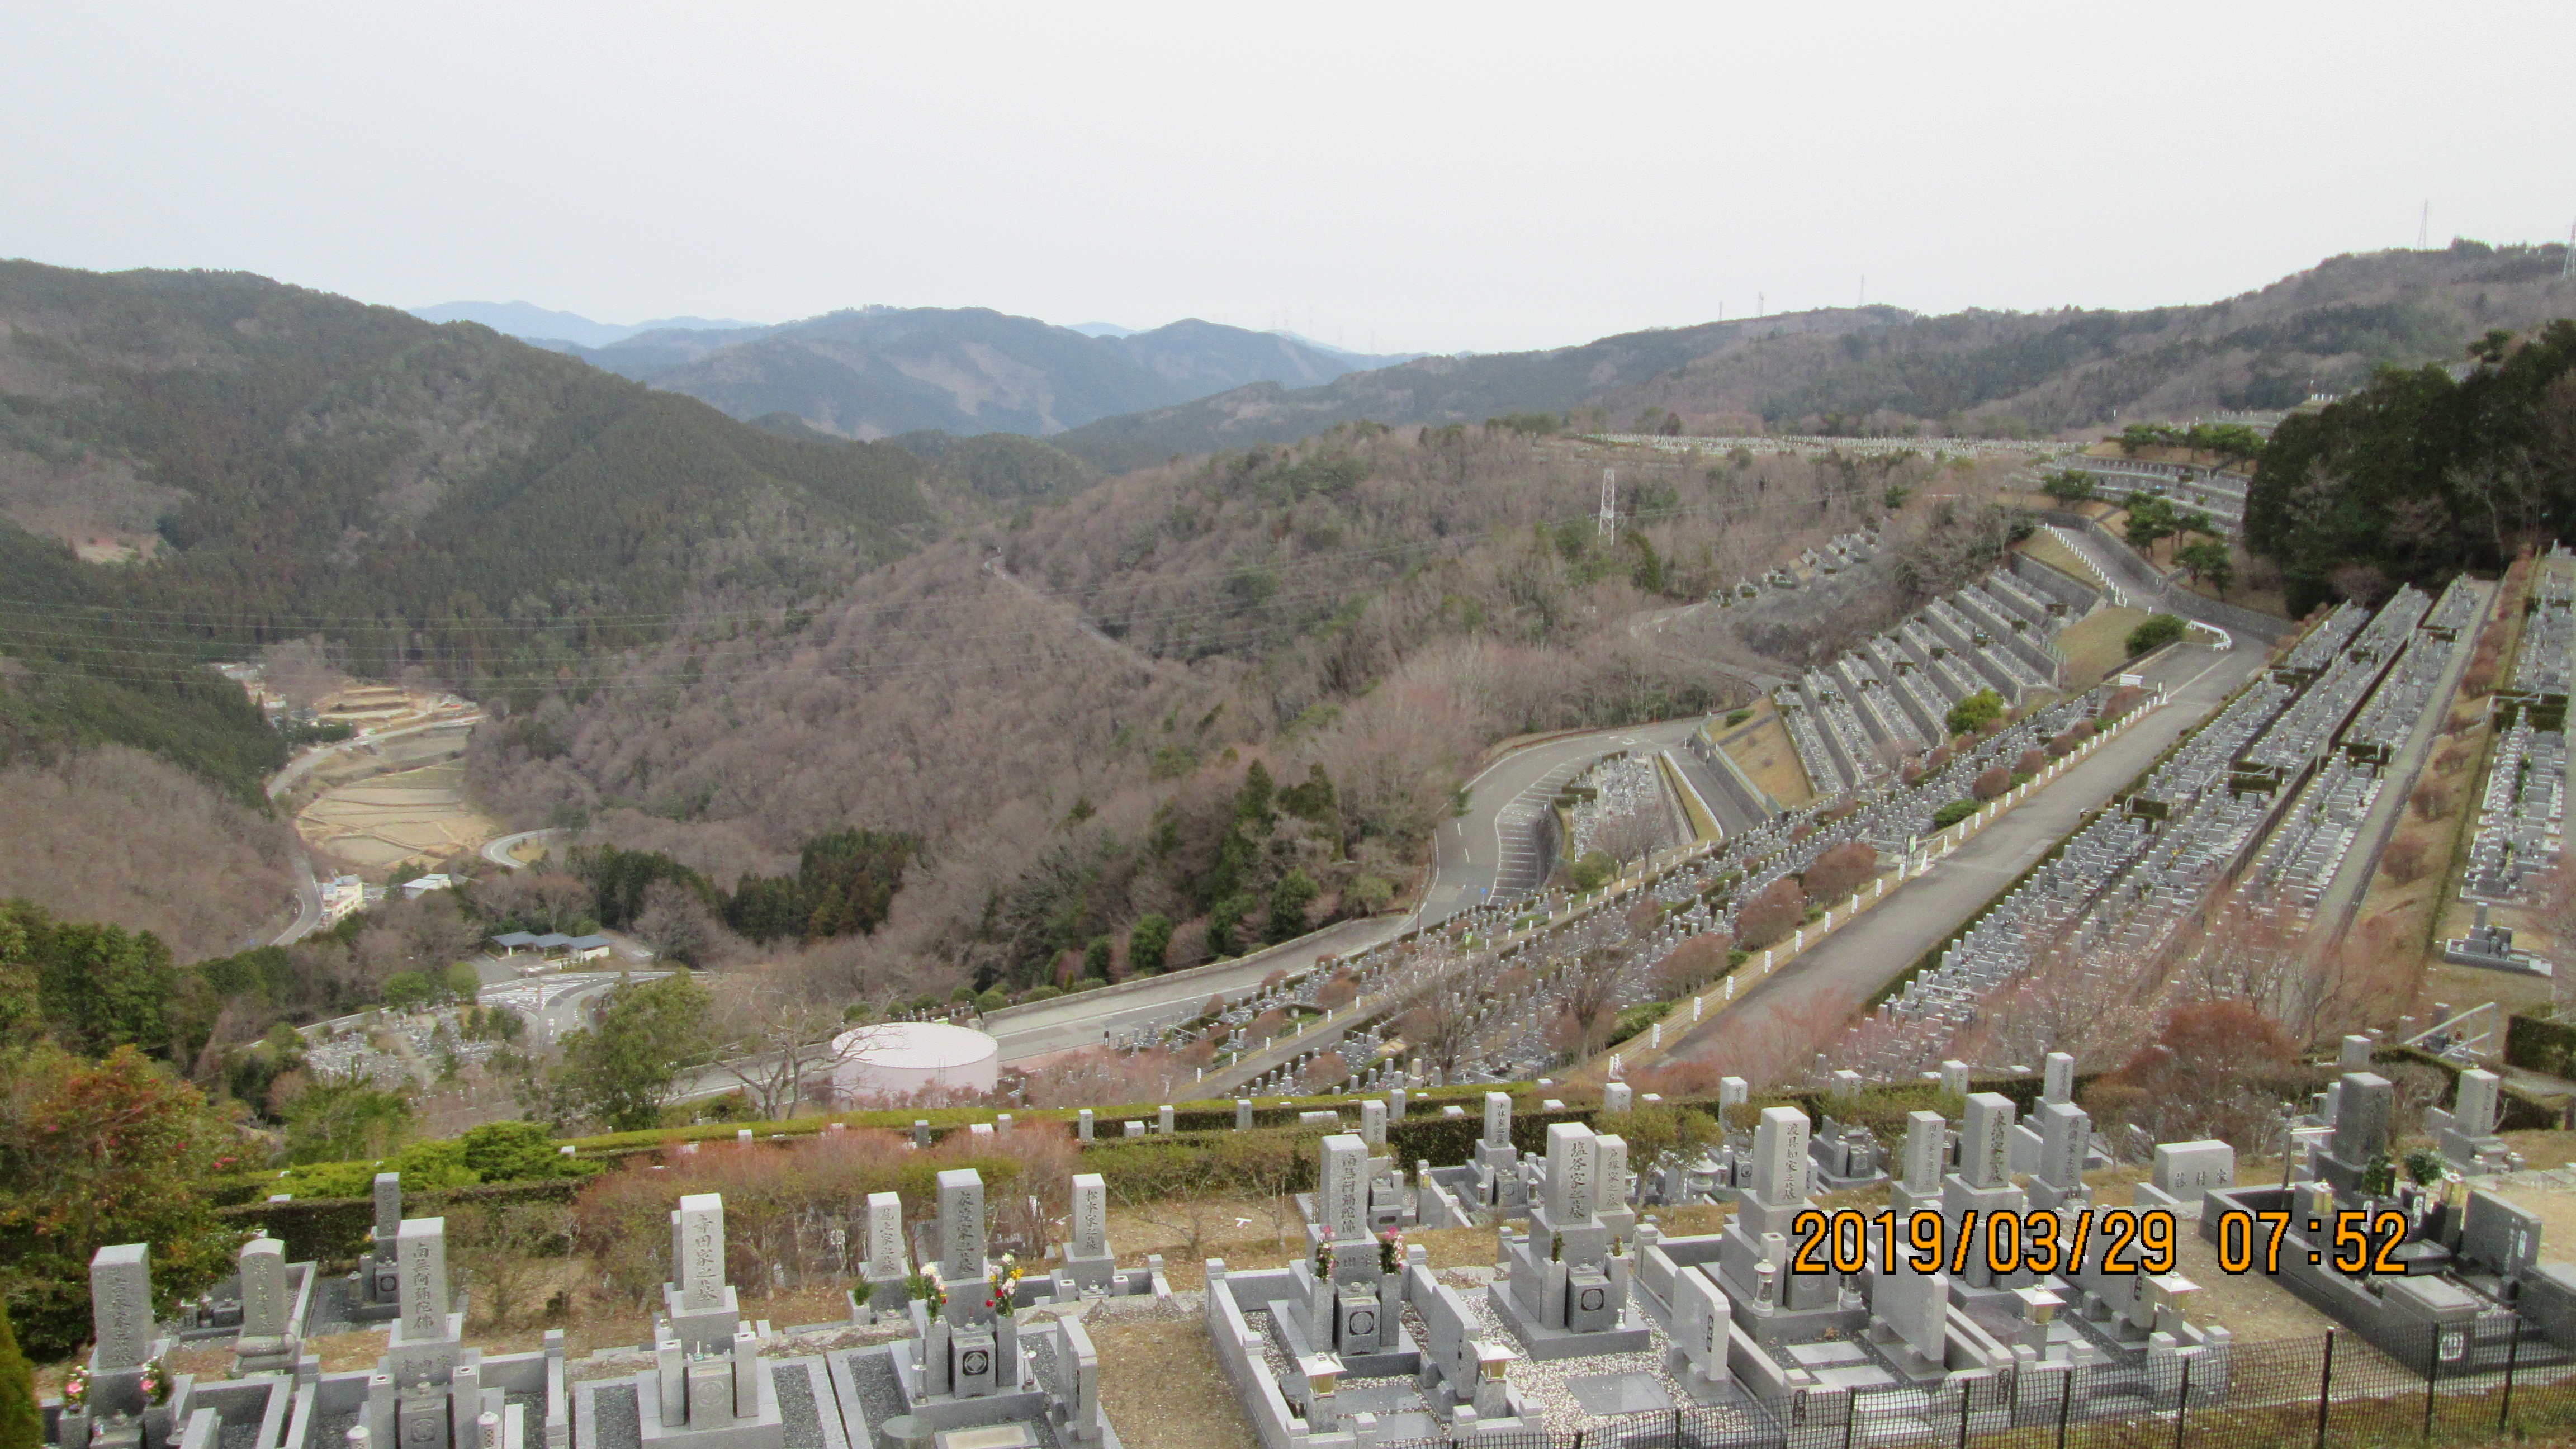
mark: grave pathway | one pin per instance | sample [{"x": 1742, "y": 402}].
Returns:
[{"x": 1776, "y": 1027}]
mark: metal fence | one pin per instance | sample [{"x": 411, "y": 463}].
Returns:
[{"x": 2466, "y": 1383}]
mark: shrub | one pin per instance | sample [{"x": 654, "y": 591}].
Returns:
[
  {"x": 1840, "y": 871},
  {"x": 1090, "y": 983},
  {"x": 1775, "y": 911},
  {"x": 1952, "y": 813},
  {"x": 2031, "y": 762},
  {"x": 1992, "y": 783},
  {"x": 1040, "y": 993},
  {"x": 1737, "y": 717},
  {"x": 2404, "y": 860},
  {"x": 2122, "y": 700},
  {"x": 2431, "y": 800},
  {"x": 1692, "y": 964},
  {"x": 1968, "y": 714},
  {"x": 1634, "y": 1020},
  {"x": 1588, "y": 873},
  {"x": 2154, "y": 632},
  {"x": 991, "y": 1000}
]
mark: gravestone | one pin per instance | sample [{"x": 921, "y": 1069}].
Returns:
[
  {"x": 268, "y": 1343},
  {"x": 1733, "y": 1091},
  {"x": 1243, "y": 1114},
  {"x": 1617, "y": 1097},
  {"x": 120, "y": 1296},
  {"x": 1082, "y": 1125},
  {"x": 1954, "y": 1078},
  {"x": 1088, "y": 1266},
  {"x": 2184, "y": 1173},
  {"x": 2065, "y": 1137},
  {"x": 1373, "y": 1122},
  {"x": 961, "y": 1228},
  {"x": 1342, "y": 1188},
  {"x": 1918, "y": 1183},
  {"x": 2057, "y": 1078},
  {"x": 885, "y": 1269}
]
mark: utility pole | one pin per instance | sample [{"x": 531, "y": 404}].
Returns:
[{"x": 1609, "y": 501}]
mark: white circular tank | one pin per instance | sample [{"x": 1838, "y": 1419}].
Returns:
[{"x": 899, "y": 1058}]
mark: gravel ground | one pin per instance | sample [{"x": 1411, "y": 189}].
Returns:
[
  {"x": 619, "y": 1427},
  {"x": 796, "y": 1411}
]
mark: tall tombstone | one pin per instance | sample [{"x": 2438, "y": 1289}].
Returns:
[
  {"x": 265, "y": 1300},
  {"x": 2475, "y": 1109},
  {"x": 1610, "y": 1157},
  {"x": 1342, "y": 1187},
  {"x": 1243, "y": 1114},
  {"x": 1090, "y": 1216},
  {"x": 1780, "y": 1156},
  {"x": 1954, "y": 1078},
  {"x": 1498, "y": 1119},
  {"x": 1573, "y": 1174},
  {"x": 2065, "y": 1136},
  {"x": 1985, "y": 1140},
  {"x": 1082, "y": 1125},
  {"x": 1926, "y": 1137},
  {"x": 1395, "y": 1104},
  {"x": 120, "y": 1305},
  {"x": 698, "y": 1251},
  {"x": 2362, "y": 1111},
  {"x": 2057, "y": 1078},
  {"x": 885, "y": 1235},
  {"x": 388, "y": 1189},
  {"x": 1373, "y": 1122},
  {"x": 961, "y": 1225},
  {"x": 421, "y": 1247},
  {"x": 2353, "y": 1054},
  {"x": 1617, "y": 1097},
  {"x": 1733, "y": 1091}
]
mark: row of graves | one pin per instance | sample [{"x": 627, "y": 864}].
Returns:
[
  {"x": 2521, "y": 813},
  {"x": 1795, "y": 1320},
  {"x": 1891, "y": 698},
  {"x": 968, "y": 1373},
  {"x": 1842, "y": 551},
  {"x": 1507, "y": 1024},
  {"x": 2264, "y": 774}
]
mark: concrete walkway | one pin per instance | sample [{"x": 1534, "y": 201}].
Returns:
[{"x": 1776, "y": 1027}]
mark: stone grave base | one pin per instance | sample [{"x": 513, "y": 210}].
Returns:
[
  {"x": 1403, "y": 1360},
  {"x": 1025, "y": 1403},
  {"x": 1540, "y": 1341}
]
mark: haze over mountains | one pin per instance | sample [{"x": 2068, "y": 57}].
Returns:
[{"x": 873, "y": 372}]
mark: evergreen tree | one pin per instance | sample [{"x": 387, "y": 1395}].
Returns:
[{"x": 22, "y": 1424}]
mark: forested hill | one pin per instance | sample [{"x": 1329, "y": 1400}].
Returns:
[
  {"x": 1880, "y": 370},
  {"x": 237, "y": 461}
]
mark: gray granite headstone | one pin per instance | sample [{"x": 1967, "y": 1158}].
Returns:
[
  {"x": 1780, "y": 1156},
  {"x": 1926, "y": 1138},
  {"x": 1985, "y": 1140},
  {"x": 388, "y": 1204},
  {"x": 1090, "y": 1215},
  {"x": 961, "y": 1224},
  {"x": 1342, "y": 1187},
  {"x": 2476, "y": 1108},
  {"x": 2057, "y": 1078},
  {"x": 1498, "y": 1119},
  {"x": 885, "y": 1234},
  {"x": 698, "y": 1239},
  {"x": 2362, "y": 1111},
  {"x": 264, "y": 1298},
  {"x": 120, "y": 1305},
  {"x": 421, "y": 1248},
  {"x": 2185, "y": 1170}
]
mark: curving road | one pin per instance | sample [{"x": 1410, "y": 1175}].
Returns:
[
  {"x": 498, "y": 851},
  {"x": 1484, "y": 854}
]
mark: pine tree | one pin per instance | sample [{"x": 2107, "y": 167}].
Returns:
[{"x": 22, "y": 1424}]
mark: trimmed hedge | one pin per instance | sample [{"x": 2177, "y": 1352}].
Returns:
[
  {"x": 330, "y": 1229},
  {"x": 2540, "y": 1046}
]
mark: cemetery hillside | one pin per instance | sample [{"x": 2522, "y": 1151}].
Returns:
[{"x": 920, "y": 879}]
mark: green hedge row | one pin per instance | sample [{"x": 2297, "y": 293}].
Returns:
[
  {"x": 2540, "y": 1046},
  {"x": 334, "y": 1229}
]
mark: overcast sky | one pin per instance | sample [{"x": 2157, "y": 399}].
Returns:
[{"x": 1417, "y": 176}]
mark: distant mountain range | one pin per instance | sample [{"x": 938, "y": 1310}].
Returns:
[
  {"x": 874, "y": 372},
  {"x": 1882, "y": 370},
  {"x": 530, "y": 322}
]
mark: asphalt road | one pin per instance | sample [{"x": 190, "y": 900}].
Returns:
[
  {"x": 1776, "y": 1028},
  {"x": 308, "y": 903},
  {"x": 498, "y": 851}
]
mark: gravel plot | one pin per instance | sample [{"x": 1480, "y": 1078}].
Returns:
[
  {"x": 619, "y": 1426},
  {"x": 1543, "y": 1383},
  {"x": 796, "y": 1411},
  {"x": 880, "y": 1397}
]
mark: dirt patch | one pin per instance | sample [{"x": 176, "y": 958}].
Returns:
[
  {"x": 1162, "y": 1388},
  {"x": 1766, "y": 754}
]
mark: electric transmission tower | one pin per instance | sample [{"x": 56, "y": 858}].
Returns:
[{"x": 1609, "y": 501}]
